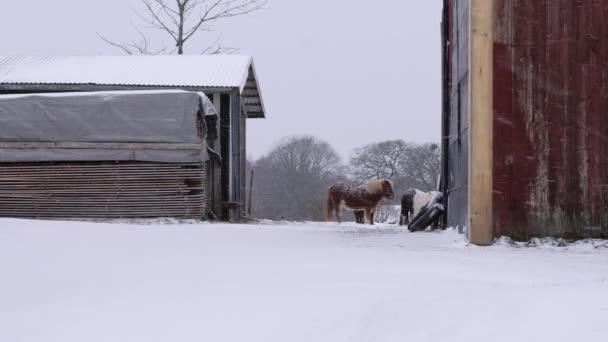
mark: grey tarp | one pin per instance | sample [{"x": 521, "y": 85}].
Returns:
[{"x": 160, "y": 125}]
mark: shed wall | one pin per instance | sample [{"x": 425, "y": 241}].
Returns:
[
  {"x": 550, "y": 119},
  {"x": 104, "y": 190}
]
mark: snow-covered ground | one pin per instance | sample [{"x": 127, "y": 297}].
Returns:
[{"x": 63, "y": 282}]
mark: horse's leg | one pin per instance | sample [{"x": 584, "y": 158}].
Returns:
[
  {"x": 337, "y": 211},
  {"x": 371, "y": 217},
  {"x": 330, "y": 208},
  {"x": 359, "y": 216},
  {"x": 367, "y": 215}
]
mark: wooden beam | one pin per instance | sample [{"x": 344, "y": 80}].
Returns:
[
  {"x": 214, "y": 168},
  {"x": 243, "y": 159},
  {"x": 225, "y": 141},
  {"x": 235, "y": 152},
  {"x": 481, "y": 61}
]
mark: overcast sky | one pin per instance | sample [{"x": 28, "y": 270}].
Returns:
[{"x": 351, "y": 72}]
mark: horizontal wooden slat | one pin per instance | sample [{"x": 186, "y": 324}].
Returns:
[
  {"x": 99, "y": 146},
  {"x": 105, "y": 216},
  {"x": 102, "y": 190},
  {"x": 93, "y": 172},
  {"x": 108, "y": 166},
  {"x": 125, "y": 199},
  {"x": 101, "y": 210},
  {"x": 114, "y": 192},
  {"x": 101, "y": 178},
  {"x": 161, "y": 211}
]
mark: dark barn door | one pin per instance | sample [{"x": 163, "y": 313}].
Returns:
[{"x": 456, "y": 111}]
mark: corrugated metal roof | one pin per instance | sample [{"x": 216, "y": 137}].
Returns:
[
  {"x": 203, "y": 71},
  {"x": 221, "y": 71}
]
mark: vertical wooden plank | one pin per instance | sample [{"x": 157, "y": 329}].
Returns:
[
  {"x": 225, "y": 153},
  {"x": 480, "y": 226},
  {"x": 243, "y": 159},
  {"x": 235, "y": 131},
  {"x": 215, "y": 169}
]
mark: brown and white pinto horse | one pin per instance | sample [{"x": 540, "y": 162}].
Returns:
[{"x": 364, "y": 197}]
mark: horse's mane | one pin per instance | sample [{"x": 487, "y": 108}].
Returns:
[{"x": 375, "y": 187}]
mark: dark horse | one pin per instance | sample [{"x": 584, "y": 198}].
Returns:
[
  {"x": 359, "y": 216},
  {"x": 412, "y": 202},
  {"x": 364, "y": 197},
  {"x": 407, "y": 206}
]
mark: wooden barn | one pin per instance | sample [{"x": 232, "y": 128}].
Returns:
[
  {"x": 230, "y": 82},
  {"x": 525, "y": 108}
]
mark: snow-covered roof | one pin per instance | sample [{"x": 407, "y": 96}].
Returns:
[{"x": 202, "y": 71}]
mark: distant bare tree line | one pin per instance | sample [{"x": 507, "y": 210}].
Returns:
[{"x": 292, "y": 179}]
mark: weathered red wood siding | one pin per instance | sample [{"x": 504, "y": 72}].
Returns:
[{"x": 551, "y": 118}]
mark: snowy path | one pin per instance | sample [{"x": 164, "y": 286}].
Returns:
[{"x": 63, "y": 282}]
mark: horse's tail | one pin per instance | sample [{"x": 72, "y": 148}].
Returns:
[{"x": 329, "y": 206}]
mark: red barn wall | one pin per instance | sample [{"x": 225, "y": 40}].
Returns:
[{"x": 551, "y": 118}]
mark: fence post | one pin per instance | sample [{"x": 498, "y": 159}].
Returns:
[{"x": 250, "y": 192}]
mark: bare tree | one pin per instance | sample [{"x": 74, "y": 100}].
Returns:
[
  {"x": 183, "y": 19},
  {"x": 422, "y": 166},
  {"x": 408, "y": 165},
  {"x": 379, "y": 160},
  {"x": 291, "y": 181}
]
